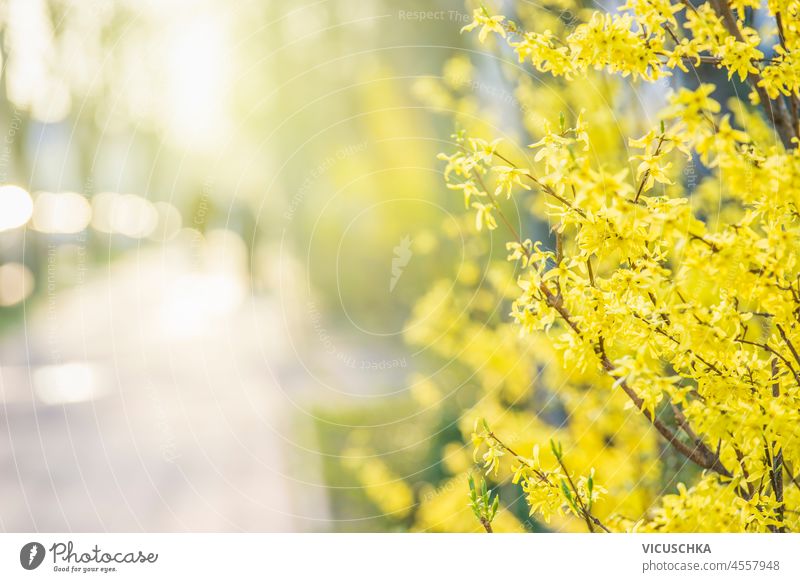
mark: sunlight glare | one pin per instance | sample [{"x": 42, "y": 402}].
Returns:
[{"x": 196, "y": 80}]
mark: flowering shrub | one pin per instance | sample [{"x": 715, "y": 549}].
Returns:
[{"x": 673, "y": 305}]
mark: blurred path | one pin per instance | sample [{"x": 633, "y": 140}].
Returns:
[{"x": 143, "y": 399}]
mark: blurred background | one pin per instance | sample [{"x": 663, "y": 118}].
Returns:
[{"x": 215, "y": 221}]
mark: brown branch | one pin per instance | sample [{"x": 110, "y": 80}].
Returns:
[
  {"x": 700, "y": 454},
  {"x": 765, "y": 346},
  {"x": 794, "y": 479},
  {"x": 689, "y": 351},
  {"x": 776, "y": 464},
  {"x": 792, "y": 98},
  {"x": 776, "y": 481},
  {"x": 683, "y": 422},
  {"x": 713, "y": 246},
  {"x": 775, "y": 110},
  {"x": 788, "y": 342},
  {"x": 740, "y": 458},
  {"x": 671, "y": 33}
]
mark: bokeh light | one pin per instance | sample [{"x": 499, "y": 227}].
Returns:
[
  {"x": 61, "y": 213},
  {"x": 168, "y": 224},
  {"x": 16, "y": 283},
  {"x": 126, "y": 214},
  {"x": 16, "y": 207}
]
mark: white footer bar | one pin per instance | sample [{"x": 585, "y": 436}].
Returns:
[{"x": 401, "y": 557}]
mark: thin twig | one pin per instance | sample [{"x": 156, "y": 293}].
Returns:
[
  {"x": 587, "y": 514},
  {"x": 544, "y": 187},
  {"x": 646, "y": 174}
]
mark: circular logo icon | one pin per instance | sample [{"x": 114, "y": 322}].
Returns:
[{"x": 31, "y": 555}]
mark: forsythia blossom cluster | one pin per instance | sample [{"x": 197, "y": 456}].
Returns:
[
  {"x": 548, "y": 491},
  {"x": 693, "y": 320},
  {"x": 646, "y": 41}
]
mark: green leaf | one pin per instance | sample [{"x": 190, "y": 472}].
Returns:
[
  {"x": 556, "y": 448},
  {"x": 566, "y": 491}
]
